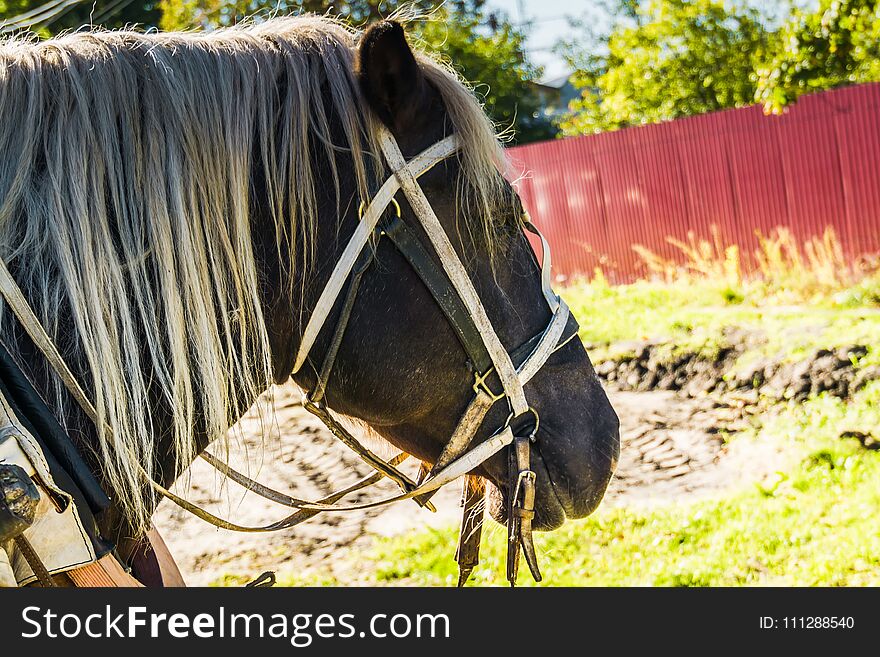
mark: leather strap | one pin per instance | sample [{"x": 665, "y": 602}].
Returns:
[
  {"x": 455, "y": 270},
  {"x": 437, "y": 282},
  {"x": 418, "y": 166},
  {"x": 545, "y": 265},
  {"x": 33, "y": 560},
  {"x": 521, "y": 511},
  {"x": 323, "y": 413},
  {"x": 529, "y": 356},
  {"x": 473, "y": 502},
  {"x": 465, "y": 430},
  {"x": 32, "y": 326},
  {"x": 364, "y": 260},
  {"x": 453, "y": 471}
]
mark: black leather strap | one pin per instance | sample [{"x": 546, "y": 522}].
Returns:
[
  {"x": 39, "y": 420},
  {"x": 438, "y": 284},
  {"x": 363, "y": 261}
]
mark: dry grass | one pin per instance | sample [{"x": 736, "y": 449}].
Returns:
[{"x": 781, "y": 268}]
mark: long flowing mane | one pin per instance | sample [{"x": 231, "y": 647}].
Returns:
[{"x": 125, "y": 168}]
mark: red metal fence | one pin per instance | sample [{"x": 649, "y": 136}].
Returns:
[{"x": 818, "y": 165}]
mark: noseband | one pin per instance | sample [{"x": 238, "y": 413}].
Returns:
[{"x": 453, "y": 291}]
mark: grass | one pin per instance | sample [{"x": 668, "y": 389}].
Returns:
[
  {"x": 694, "y": 316},
  {"x": 781, "y": 269},
  {"x": 815, "y": 524},
  {"x": 801, "y": 297}
]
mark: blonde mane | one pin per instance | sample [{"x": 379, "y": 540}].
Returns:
[{"x": 125, "y": 170}]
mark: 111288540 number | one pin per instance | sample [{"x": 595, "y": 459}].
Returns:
[{"x": 817, "y": 622}]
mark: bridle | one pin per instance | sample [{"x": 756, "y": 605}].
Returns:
[{"x": 453, "y": 291}]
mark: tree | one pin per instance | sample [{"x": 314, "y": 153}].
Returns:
[
  {"x": 495, "y": 62},
  {"x": 837, "y": 44},
  {"x": 667, "y": 59},
  {"x": 59, "y": 16},
  {"x": 181, "y": 14}
]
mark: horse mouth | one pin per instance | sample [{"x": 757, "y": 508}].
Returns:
[{"x": 555, "y": 502}]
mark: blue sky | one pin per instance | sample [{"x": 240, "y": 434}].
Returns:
[
  {"x": 548, "y": 28},
  {"x": 549, "y": 25}
]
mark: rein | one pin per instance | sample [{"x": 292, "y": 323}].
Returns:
[{"x": 456, "y": 296}]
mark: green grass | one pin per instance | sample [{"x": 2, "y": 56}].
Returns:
[
  {"x": 697, "y": 317},
  {"x": 815, "y": 524}
]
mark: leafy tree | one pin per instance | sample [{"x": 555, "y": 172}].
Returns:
[
  {"x": 495, "y": 62},
  {"x": 837, "y": 44},
  {"x": 666, "y": 59},
  {"x": 180, "y": 14},
  {"x": 108, "y": 13}
]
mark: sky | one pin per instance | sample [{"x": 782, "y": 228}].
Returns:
[
  {"x": 548, "y": 28},
  {"x": 549, "y": 24}
]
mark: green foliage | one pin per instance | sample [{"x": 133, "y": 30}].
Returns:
[
  {"x": 495, "y": 62},
  {"x": 670, "y": 58},
  {"x": 865, "y": 293},
  {"x": 837, "y": 44},
  {"x": 679, "y": 57},
  {"x": 732, "y": 296},
  {"x": 185, "y": 14},
  {"x": 10, "y": 8}
]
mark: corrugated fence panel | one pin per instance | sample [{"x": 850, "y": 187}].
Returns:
[
  {"x": 857, "y": 122},
  {"x": 738, "y": 170}
]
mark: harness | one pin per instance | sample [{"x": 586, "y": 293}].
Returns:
[{"x": 453, "y": 291}]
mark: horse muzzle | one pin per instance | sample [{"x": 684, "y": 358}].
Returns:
[{"x": 569, "y": 484}]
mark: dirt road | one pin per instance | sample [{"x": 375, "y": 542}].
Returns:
[{"x": 673, "y": 450}]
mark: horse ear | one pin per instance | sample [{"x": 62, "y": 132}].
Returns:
[{"x": 389, "y": 75}]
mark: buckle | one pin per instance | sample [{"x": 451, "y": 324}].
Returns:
[
  {"x": 525, "y": 479},
  {"x": 480, "y": 384}
]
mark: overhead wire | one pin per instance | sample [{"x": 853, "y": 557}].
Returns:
[
  {"x": 110, "y": 10},
  {"x": 42, "y": 15}
]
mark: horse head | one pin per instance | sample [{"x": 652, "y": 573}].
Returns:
[{"x": 402, "y": 369}]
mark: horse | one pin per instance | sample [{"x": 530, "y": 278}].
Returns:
[{"x": 172, "y": 206}]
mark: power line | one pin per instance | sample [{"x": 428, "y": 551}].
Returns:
[
  {"x": 52, "y": 12},
  {"x": 33, "y": 12},
  {"x": 110, "y": 11}
]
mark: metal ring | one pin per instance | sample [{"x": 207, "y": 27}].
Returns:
[
  {"x": 511, "y": 417},
  {"x": 393, "y": 202}
]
